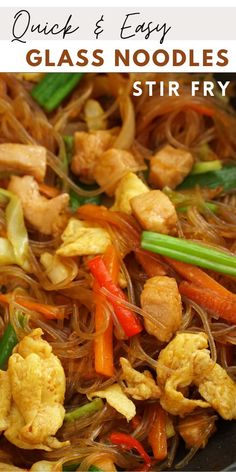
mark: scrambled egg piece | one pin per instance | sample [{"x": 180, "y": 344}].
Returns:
[
  {"x": 186, "y": 361},
  {"x": 36, "y": 395},
  {"x": 116, "y": 398},
  {"x": 141, "y": 386},
  {"x": 130, "y": 186},
  {"x": 82, "y": 239},
  {"x": 41, "y": 466},
  {"x": 170, "y": 166},
  {"x": 161, "y": 299},
  {"x": 155, "y": 212},
  {"x": 9, "y": 468},
  {"x": 5, "y": 403}
]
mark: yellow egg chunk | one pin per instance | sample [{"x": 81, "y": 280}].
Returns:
[
  {"x": 83, "y": 239},
  {"x": 32, "y": 395},
  {"x": 130, "y": 186}
]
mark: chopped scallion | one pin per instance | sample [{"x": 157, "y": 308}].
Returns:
[
  {"x": 224, "y": 178},
  {"x": 53, "y": 88},
  {"x": 191, "y": 252},
  {"x": 7, "y": 343},
  {"x": 209, "y": 206},
  {"x": 84, "y": 410},
  {"x": 78, "y": 200},
  {"x": 73, "y": 467},
  {"x": 69, "y": 145},
  {"x": 207, "y": 166}
]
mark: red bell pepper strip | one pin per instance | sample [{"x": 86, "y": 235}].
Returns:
[
  {"x": 127, "y": 318},
  {"x": 128, "y": 442}
]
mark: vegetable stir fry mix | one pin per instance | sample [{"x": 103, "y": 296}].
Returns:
[{"x": 118, "y": 270}]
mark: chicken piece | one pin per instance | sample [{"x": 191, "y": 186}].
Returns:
[
  {"x": 116, "y": 398},
  {"x": 170, "y": 166},
  {"x": 130, "y": 186},
  {"x": 197, "y": 428},
  {"x": 155, "y": 212},
  {"x": 88, "y": 148},
  {"x": 37, "y": 383},
  {"x": 141, "y": 386},
  {"x": 111, "y": 166},
  {"x": 160, "y": 298},
  {"x": 82, "y": 239},
  {"x": 46, "y": 216},
  {"x": 23, "y": 159},
  {"x": 186, "y": 361},
  {"x": 5, "y": 395}
]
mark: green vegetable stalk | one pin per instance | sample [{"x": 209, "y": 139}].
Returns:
[
  {"x": 207, "y": 166},
  {"x": 78, "y": 200},
  {"x": 224, "y": 178},
  {"x": 69, "y": 145},
  {"x": 85, "y": 410},
  {"x": 53, "y": 88},
  {"x": 7, "y": 343},
  {"x": 191, "y": 252},
  {"x": 73, "y": 467}
]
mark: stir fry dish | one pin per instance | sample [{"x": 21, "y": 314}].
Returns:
[{"x": 117, "y": 273}]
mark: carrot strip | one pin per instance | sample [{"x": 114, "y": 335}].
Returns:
[
  {"x": 149, "y": 263},
  {"x": 103, "y": 344},
  {"x": 198, "y": 277},
  {"x": 223, "y": 306},
  {"x": 201, "y": 109},
  {"x": 157, "y": 436},
  {"x": 48, "y": 190},
  {"x": 50, "y": 312}
]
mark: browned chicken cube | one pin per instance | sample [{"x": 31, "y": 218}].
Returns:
[
  {"x": 169, "y": 167},
  {"x": 23, "y": 159},
  {"x": 111, "y": 166},
  {"x": 88, "y": 147},
  {"x": 161, "y": 300},
  {"x": 155, "y": 212}
]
